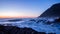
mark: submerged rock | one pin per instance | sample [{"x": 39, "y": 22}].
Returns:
[{"x": 15, "y": 20}]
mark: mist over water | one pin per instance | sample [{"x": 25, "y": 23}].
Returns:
[{"x": 37, "y": 24}]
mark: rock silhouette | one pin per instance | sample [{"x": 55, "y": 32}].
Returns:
[
  {"x": 53, "y": 11},
  {"x": 57, "y": 20},
  {"x": 16, "y": 30}
]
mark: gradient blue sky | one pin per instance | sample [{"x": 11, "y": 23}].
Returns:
[{"x": 31, "y": 8}]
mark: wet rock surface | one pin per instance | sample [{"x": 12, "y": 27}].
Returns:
[{"x": 16, "y": 30}]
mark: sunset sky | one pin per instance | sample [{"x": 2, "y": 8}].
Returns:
[{"x": 24, "y": 8}]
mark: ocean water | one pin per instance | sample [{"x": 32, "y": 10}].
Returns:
[{"x": 38, "y": 24}]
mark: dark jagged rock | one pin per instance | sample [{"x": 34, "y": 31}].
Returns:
[
  {"x": 33, "y": 20},
  {"x": 48, "y": 23},
  {"x": 51, "y": 33},
  {"x": 57, "y": 20},
  {"x": 41, "y": 20},
  {"x": 16, "y": 30},
  {"x": 53, "y": 11}
]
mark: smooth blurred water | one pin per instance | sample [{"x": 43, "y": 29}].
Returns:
[{"x": 40, "y": 27}]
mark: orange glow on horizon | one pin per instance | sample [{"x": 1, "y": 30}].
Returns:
[{"x": 16, "y": 16}]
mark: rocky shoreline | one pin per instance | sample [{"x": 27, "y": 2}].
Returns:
[{"x": 17, "y": 30}]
